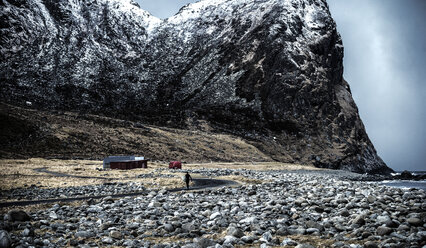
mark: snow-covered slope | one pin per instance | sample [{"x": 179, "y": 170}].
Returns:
[{"x": 268, "y": 70}]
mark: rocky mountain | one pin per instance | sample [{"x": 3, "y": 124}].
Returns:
[{"x": 268, "y": 71}]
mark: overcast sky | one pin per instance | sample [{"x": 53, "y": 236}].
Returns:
[{"x": 385, "y": 65}]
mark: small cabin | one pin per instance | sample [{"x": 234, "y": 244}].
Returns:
[{"x": 125, "y": 162}]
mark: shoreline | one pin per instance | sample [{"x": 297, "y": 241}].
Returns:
[{"x": 405, "y": 184}]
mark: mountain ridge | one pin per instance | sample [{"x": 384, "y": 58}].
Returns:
[{"x": 260, "y": 69}]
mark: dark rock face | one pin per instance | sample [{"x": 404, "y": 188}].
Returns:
[
  {"x": 406, "y": 175},
  {"x": 269, "y": 71}
]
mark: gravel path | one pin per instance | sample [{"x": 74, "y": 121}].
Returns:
[
  {"x": 60, "y": 174},
  {"x": 199, "y": 183}
]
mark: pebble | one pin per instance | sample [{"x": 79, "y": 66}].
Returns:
[
  {"x": 415, "y": 221},
  {"x": 107, "y": 240},
  {"x": 370, "y": 244},
  {"x": 383, "y": 219},
  {"x": 230, "y": 240},
  {"x": 359, "y": 220},
  {"x": 169, "y": 227},
  {"x": 5, "y": 240},
  {"x": 83, "y": 234},
  {"x": 234, "y": 231},
  {"x": 266, "y": 237},
  {"x": 344, "y": 213},
  {"x": 27, "y": 232},
  {"x": 304, "y": 246},
  {"x": 288, "y": 242},
  {"x": 392, "y": 224},
  {"x": 312, "y": 230},
  {"x": 115, "y": 234},
  {"x": 215, "y": 215},
  {"x": 205, "y": 242},
  {"x": 383, "y": 230},
  {"x": 53, "y": 215},
  {"x": 248, "y": 239}
]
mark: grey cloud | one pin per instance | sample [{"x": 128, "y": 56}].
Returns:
[{"x": 385, "y": 65}]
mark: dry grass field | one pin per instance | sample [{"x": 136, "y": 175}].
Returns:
[{"x": 21, "y": 173}]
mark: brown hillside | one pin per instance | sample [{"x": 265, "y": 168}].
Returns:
[{"x": 29, "y": 133}]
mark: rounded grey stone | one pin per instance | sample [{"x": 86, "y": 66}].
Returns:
[
  {"x": 370, "y": 244},
  {"x": 83, "y": 234},
  {"x": 304, "y": 246},
  {"x": 415, "y": 221},
  {"x": 235, "y": 231},
  {"x": 27, "y": 232},
  {"x": 5, "y": 241},
  {"x": 383, "y": 230}
]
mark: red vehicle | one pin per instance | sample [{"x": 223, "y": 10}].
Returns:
[{"x": 175, "y": 165}]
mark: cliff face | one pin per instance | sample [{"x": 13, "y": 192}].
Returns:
[{"x": 269, "y": 71}]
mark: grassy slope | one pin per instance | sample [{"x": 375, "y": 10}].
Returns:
[{"x": 26, "y": 133}]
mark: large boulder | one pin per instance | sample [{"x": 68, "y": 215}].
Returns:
[{"x": 17, "y": 215}]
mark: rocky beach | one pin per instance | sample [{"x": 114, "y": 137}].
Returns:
[
  {"x": 248, "y": 95},
  {"x": 284, "y": 208}
]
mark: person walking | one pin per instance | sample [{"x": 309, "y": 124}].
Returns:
[{"x": 187, "y": 178}]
